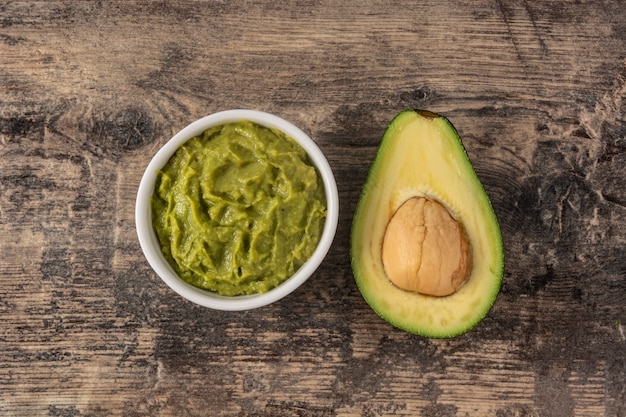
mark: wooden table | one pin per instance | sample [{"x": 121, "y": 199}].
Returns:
[{"x": 90, "y": 90}]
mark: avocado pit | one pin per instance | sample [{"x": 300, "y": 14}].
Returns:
[{"x": 425, "y": 249}]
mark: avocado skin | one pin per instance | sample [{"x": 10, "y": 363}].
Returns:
[
  {"x": 428, "y": 114},
  {"x": 412, "y": 137}
]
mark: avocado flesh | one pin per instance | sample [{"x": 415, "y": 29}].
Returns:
[{"x": 421, "y": 155}]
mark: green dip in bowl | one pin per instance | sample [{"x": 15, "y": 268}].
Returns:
[{"x": 238, "y": 209}]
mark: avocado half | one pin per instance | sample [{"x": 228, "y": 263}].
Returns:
[{"x": 421, "y": 155}]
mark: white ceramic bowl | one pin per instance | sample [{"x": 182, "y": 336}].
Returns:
[{"x": 150, "y": 244}]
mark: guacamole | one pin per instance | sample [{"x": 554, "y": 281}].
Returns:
[{"x": 238, "y": 209}]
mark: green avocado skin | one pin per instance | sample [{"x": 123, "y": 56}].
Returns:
[
  {"x": 421, "y": 154},
  {"x": 238, "y": 209}
]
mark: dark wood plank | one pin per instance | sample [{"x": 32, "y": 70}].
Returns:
[{"x": 90, "y": 90}]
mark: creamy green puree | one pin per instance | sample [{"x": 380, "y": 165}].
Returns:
[{"x": 238, "y": 209}]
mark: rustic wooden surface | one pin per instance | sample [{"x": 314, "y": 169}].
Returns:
[{"x": 90, "y": 90}]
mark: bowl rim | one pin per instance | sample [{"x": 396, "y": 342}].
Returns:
[{"x": 152, "y": 249}]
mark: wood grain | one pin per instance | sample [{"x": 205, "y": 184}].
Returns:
[{"x": 90, "y": 90}]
